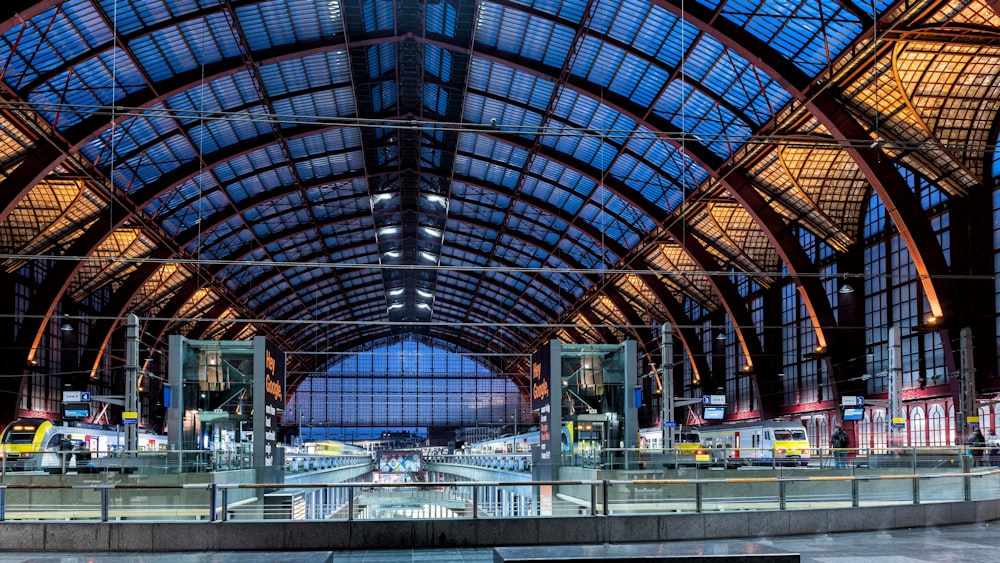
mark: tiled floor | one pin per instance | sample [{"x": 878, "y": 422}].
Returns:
[{"x": 972, "y": 543}]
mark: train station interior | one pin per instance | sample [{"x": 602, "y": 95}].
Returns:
[{"x": 235, "y": 227}]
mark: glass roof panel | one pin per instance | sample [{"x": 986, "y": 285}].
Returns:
[
  {"x": 69, "y": 97},
  {"x": 538, "y": 227},
  {"x": 553, "y": 194},
  {"x": 655, "y": 188},
  {"x": 506, "y": 82},
  {"x": 327, "y": 141},
  {"x": 807, "y": 32},
  {"x": 49, "y": 40},
  {"x": 13, "y": 143},
  {"x": 132, "y": 16},
  {"x": 667, "y": 158},
  {"x": 502, "y": 164},
  {"x": 435, "y": 99},
  {"x": 381, "y": 59},
  {"x": 324, "y": 166},
  {"x": 560, "y": 175},
  {"x": 711, "y": 123},
  {"x": 441, "y": 18},
  {"x": 222, "y": 243},
  {"x": 249, "y": 163},
  {"x": 377, "y": 15},
  {"x": 301, "y": 20},
  {"x": 312, "y": 71},
  {"x": 569, "y": 10},
  {"x": 254, "y": 186},
  {"x": 184, "y": 47},
  {"x": 437, "y": 62},
  {"x": 732, "y": 78},
  {"x": 517, "y": 32},
  {"x": 295, "y": 111},
  {"x": 250, "y": 123}
]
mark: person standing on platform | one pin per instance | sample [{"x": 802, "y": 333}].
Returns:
[
  {"x": 839, "y": 441},
  {"x": 977, "y": 445},
  {"x": 993, "y": 448}
]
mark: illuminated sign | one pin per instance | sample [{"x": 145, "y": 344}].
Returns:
[
  {"x": 269, "y": 389},
  {"x": 714, "y": 413}
]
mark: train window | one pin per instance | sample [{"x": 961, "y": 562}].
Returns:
[
  {"x": 798, "y": 435},
  {"x": 782, "y": 435},
  {"x": 20, "y": 435}
]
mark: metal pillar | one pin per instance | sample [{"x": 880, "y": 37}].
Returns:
[
  {"x": 132, "y": 382},
  {"x": 969, "y": 407},
  {"x": 895, "y": 387},
  {"x": 667, "y": 382}
]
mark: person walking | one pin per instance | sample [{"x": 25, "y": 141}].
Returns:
[{"x": 839, "y": 442}]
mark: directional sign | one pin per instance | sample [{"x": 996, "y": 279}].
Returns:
[
  {"x": 852, "y": 401},
  {"x": 669, "y": 423},
  {"x": 76, "y": 396},
  {"x": 130, "y": 417},
  {"x": 713, "y": 400}
]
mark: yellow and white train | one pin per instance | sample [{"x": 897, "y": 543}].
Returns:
[
  {"x": 763, "y": 442},
  {"x": 34, "y": 444}
]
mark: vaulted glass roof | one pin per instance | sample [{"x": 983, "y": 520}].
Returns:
[{"x": 473, "y": 171}]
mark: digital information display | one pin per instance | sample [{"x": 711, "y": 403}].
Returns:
[
  {"x": 713, "y": 413},
  {"x": 854, "y": 413}
]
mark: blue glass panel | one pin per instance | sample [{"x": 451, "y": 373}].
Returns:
[
  {"x": 505, "y": 82},
  {"x": 300, "y": 20},
  {"x": 381, "y": 60},
  {"x": 438, "y": 62},
  {"x": 560, "y": 175},
  {"x": 334, "y": 140},
  {"x": 313, "y": 71},
  {"x": 377, "y": 15},
  {"x": 49, "y": 38},
  {"x": 569, "y": 10},
  {"x": 435, "y": 99},
  {"x": 441, "y": 18},
  {"x": 383, "y": 96},
  {"x": 68, "y": 98},
  {"x": 296, "y": 110},
  {"x": 185, "y": 47},
  {"x": 131, "y": 16},
  {"x": 712, "y": 124},
  {"x": 517, "y": 32},
  {"x": 551, "y": 194},
  {"x": 807, "y": 32}
]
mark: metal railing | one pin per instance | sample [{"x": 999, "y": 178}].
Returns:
[
  {"x": 214, "y": 502},
  {"x": 161, "y": 461}
]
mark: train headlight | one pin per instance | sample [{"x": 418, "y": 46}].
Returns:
[{"x": 780, "y": 451}]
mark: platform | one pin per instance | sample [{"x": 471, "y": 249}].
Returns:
[{"x": 669, "y": 552}]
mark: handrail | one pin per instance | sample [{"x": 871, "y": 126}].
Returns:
[{"x": 479, "y": 496}]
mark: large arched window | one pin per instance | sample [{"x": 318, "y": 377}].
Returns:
[
  {"x": 878, "y": 429},
  {"x": 937, "y": 426},
  {"x": 918, "y": 427},
  {"x": 864, "y": 434},
  {"x": 398, "y": 385}
]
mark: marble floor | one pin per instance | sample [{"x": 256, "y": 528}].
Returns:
[{"x": 970, "y": 543}]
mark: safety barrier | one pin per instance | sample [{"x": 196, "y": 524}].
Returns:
[{"x": 474, "y": 500}]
